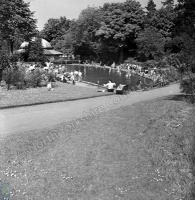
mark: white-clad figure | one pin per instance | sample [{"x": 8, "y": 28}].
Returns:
[
  {"x": 49, "y": 86},
  {"x": 110, "y": 85},
  {"x": 113, "y": 65},
  {"x": 80, "y": 76}
]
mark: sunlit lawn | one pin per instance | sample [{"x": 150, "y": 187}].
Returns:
[
  {"x": 141, "y": 152},
  {"x": 61, "y": 92}
]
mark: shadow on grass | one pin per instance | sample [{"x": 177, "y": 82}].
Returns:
[
  {"x": 192, "y": 164},
  {"x": 181, "y": 97},
  {"x": 191, "y": 154}
]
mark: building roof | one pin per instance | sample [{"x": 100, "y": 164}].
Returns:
[
  {"x": 20, "y": 51},
  {"x": 49, "y": 52},
  {"x": 45, "y": 44},
  {"x": 46, "y": 52}
]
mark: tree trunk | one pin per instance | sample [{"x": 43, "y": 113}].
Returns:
[
  {"x": 192, "y": 85},
  {"x": 1, "y": 74},
  {"x": 11, "y": 46},
  {"x": 121, "y": 55}
]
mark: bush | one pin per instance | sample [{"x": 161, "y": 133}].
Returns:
[
  {"x": 33, "y": 78},
  {"x": 151, "y": 63},
  {"x": 130, "y": 60},
  {"x": 7, "y": 77},
  {"x": 51, "y": 77},
  {"x": 14, "y": 76},
  {"x": 187, "y": 85}
]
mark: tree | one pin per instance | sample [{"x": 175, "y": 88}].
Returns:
[
  {"x": 150, "y": 44},
  {"x": 151, "y": 6},
  {"x": 87, "y": 25},
  {"x": 121, "y": 24},
  {"x": 54, "y": 29},
  {"x": 163, "y": 20},
  {"x": 168, "y": 3},
  {"x": 4, "y": 62},
  {"x": 80, "y": 39},
  {"x": 65, "y": 44},
  {"x": 184, "y": 33},
  {"x": 35, "y": 50},
  {"x": 16, "y": 20},
  {"x": 185, "y": 21}
]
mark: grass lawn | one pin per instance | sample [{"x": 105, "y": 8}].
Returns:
[
  {"x": 61, "y": 92},
  {"x": 141, "y": 152}
]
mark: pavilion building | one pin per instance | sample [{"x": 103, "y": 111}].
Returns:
[{"x": 48, "y": 50}]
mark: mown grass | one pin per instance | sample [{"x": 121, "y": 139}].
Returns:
[
  {"x": 33, "y": 96},
  {"x": 144, "y": 151}
]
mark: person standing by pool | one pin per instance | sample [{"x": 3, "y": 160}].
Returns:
[
  {"x": 139, "y": 84},
  {"x": 113, "y": 65},
  {"x": 73, "y": 79},
  {"x": 110, "y": 86},
  {"x": 76, "y": 74},
  {"x": 80, "y": 76}
]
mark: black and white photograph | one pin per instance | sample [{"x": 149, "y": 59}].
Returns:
[{"x": 97, "y": 100}]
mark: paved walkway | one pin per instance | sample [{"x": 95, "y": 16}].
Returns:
[{"x": 48, "y": 115}]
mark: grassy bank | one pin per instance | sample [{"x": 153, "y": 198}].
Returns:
[
  {"x": 33, "y": 96},
  {"x": 144, "y": 151}
]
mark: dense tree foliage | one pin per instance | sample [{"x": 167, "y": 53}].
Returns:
[
  {"x": 16, "y": 21},
  {"x": 151, "y": 6},
  {"x": 35, "y": 50},
  {"x": 54, "y": 29},
  {"x": 121, "y": 25},
  {"x": 150, "y": 44},
  {"x": 80, "y": 38},
  {"x": 117, "y": 31},
  {"x": 111, "y": 33}
]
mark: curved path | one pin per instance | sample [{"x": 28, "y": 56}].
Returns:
[{"x": 15, "y": 120}]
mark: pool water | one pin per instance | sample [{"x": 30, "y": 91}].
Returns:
[{"x": 102, "y": 75}]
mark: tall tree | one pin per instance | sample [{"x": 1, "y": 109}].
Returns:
[
  {"x": 35, "y": 50},
  {"x": 54, "y": 29},
  {"x": 4, "y": 56},
  {"x": 81, "y": 38},
  {"x": 185, "y": 22},
  {"x": 168, "y": 3},
  {"x": 16, "y": 21},
  {"x": 88, "y": 23},
  {"x": 185, "y": 31},
  {"x": 121, "y": 25},
  {"x": 151, "y": 44},
  {"x": 151, "y": 6},
  {"x": 163, "y": 21}
]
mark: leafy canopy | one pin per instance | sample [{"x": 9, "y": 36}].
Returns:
[{"x": 16, "y": 20}]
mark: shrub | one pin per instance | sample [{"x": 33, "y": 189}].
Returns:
[
  {"x": 51, "y": 77},
  {"x": 14, "y": 76},
  {"x": 187, "y": 85},
  {"x": 130, "y": 60},
  {"x": 151, "y": 63},
  {"x": 33, "y": 78},
  {"x": 7, "y": 77}
]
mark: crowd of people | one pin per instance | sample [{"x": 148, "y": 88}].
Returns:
[
  {"x": 158, "y": 76},
  {"x": 154, "y": 74},
  {"x": 59, "y": 71}
]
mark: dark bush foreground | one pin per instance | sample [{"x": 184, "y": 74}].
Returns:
[{"x": 21, "y": 78}]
